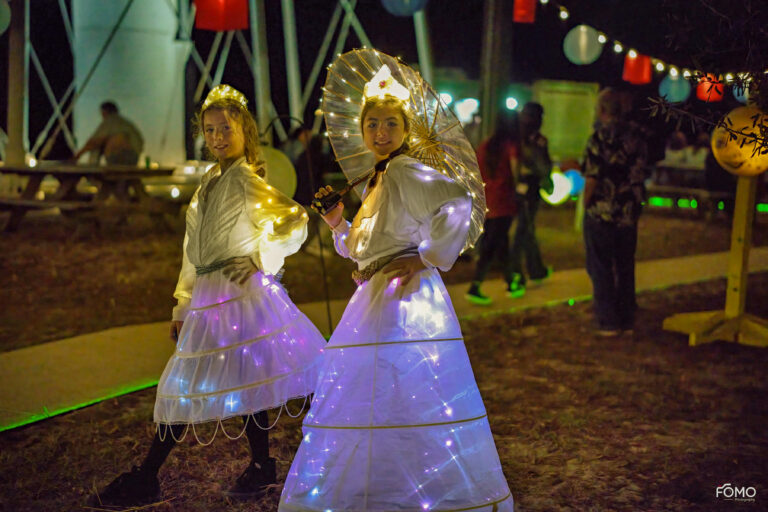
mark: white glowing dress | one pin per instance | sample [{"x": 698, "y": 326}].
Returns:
[
  {"x": 246, "y": 348},
  {"x": 397, "y": 421}
]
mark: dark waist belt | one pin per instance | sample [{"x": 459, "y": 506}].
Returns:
[
  {"x": 213, "y": 267},
  {"x": 361, "y": 276}
]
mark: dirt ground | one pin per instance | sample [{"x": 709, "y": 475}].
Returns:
[
  {"x": 637, "y": 423},
  {"x": 59, "y": 280}
]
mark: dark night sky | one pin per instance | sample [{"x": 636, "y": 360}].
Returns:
[{"x": 455, "y": 30}]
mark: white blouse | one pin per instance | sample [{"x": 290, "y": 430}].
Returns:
[
  {"x": 412, "y": 205},
  {"x": 242, "y": 215}
]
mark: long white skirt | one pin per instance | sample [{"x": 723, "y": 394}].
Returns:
[
  {"x": 241, "y": 350},
  {"x": 397, "y": 421}
]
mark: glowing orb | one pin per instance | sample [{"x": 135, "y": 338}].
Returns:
[
  {"x": 576, "y": 179},
  {"x": 280, "y": 171},
  {"x": 561, "y": 192},
  {"x": 731, "y": 154},
  {"x": 582, "y": 45}
]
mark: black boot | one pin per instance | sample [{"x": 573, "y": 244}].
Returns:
[
  {"x": 136, "y": 487},
  {"x": 254, "y": 482}
]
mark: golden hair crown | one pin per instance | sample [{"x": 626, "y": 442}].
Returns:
[{"x": 224, "y": 92}]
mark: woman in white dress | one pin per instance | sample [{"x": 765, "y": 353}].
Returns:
[
  {"x": 397, "y": 421},
  {"x": 242, "y": 346}
]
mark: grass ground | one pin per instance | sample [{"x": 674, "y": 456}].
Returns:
[
  {"x": 56, "y": 286},
  {"x": 640, "y": 423}
]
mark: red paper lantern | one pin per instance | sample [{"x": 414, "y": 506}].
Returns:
[
  {"x": 710, "y": 89},
  {"x": 221, "y": 15},
  {"x": 525, "y": 11},
  {"x": 637, "y": 69}
]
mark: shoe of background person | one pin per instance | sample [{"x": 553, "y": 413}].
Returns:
[
  {"x": 516, "y": 288},
  {"x": 476, "y": 297},
  {"x": 254, "y": 482},
  {"x": 549, "y": 273},
  {"x": 606, "y": 332},
  {"x": 136, "y": 487}
]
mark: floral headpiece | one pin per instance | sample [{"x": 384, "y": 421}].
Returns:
[
  {"x": 224, "y": 92},
  {"x": 384, "y": 84}
]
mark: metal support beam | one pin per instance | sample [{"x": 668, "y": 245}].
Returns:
[
  {"x": 318, "y": 65},
  {"x": 17, "y": 82},
  {"x": 223, "y": 58},
  {"x": 356, "y": 25},
  {"x": 260, "y": 63},
  {"x": 293, "y": 74},
  {"x": 67, "y": 25},
  {"x": 206, "y": 71},
  {"x": 49, "y": 145},
  {"x": 52, "y": 98},
  {"x": 423, "y": 46},
  {"x": 44, "y": 133}
]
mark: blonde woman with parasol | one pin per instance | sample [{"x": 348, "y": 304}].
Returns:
[{"x": 397, "y": 421}]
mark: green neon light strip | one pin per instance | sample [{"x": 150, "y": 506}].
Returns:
[
  {"x": 667, "y": 202},
  {"x": 762, "y": 207},
  {"x": 49, "y": 414}
]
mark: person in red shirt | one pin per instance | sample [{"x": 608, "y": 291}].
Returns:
[{"x": 497, "y": 157}]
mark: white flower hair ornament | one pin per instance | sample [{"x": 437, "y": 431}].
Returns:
[
  {"x": 224, "y": 92},
  {"x": 384, "y": 84}
]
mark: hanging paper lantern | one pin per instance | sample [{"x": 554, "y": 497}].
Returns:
[
  {"x": 675, "y": 89},
  {"x": 576, "y": 179},
  {"x": 5, "y": 15},
  {"x": 736, "y": 156},
  {"x": 524, "y": 11},
  {"x": 221, "y": 15},
  {"x": 637, "y": 69},
  {"x": 710, "y": 89},
  {"x": 741, "y": 93},
  {"x": 403, "y": 7},
  {"x": 562, "y": 189},
  {"x": 582, "y": 45},
  {"x": 280, "y": 171}
]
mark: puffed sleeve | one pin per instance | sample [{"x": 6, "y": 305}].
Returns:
[
  {"x": 340, "y": 233},
  {"x": 187, "y": 276},
  {"x": 281, "y": 223},
  {"x": 440, "y": 205}
]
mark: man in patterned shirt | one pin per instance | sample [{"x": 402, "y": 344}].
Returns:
[{"x": 613, "y": 195}]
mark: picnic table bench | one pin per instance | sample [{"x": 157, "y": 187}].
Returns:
[{"x": 120, "y": 191}]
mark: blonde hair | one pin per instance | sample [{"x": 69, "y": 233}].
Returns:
[{"x": 247, "y": 123}]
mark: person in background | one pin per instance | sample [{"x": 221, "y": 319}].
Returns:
[
  {"x": 613, "y": 194},
  {"x": 116, "y": 138},
  {"x": 534, "y": 174},
  {"x": 498, "y": 160}
]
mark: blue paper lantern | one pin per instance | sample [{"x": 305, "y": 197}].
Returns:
[
  {"x": 403, "y": 7},
  {"x": 741, "y": 94},
  {"x": 576, "y": 179},
  {"x": 582, "y": 45},
  {"x": 675, "y": 89},
  {"x": 5, "y": 15}
]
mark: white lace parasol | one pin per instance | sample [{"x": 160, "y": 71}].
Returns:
[{"x": 436, "y": 137}]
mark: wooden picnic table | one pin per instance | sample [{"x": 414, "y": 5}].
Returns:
[{"x": 120, "y": 190}]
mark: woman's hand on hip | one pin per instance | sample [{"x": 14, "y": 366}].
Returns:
[
  {"x": 333, "y": 217},
  {"x": 404, "y": 268},
  {"x": 239, "y": 269},
  {"x": 175, "y": 330}
]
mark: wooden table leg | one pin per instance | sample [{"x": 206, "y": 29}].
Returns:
[{"x": 17, "y": 213}]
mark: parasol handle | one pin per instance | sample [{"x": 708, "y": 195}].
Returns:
[{"x": 327, "y": 203}]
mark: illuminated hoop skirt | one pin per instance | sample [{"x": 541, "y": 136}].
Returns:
[
  {"x": 241, "y": 350},
  {"x": 397, "y": 421}
]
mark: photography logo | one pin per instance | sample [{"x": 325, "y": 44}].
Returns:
[{"x": 730, "y": 492}]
